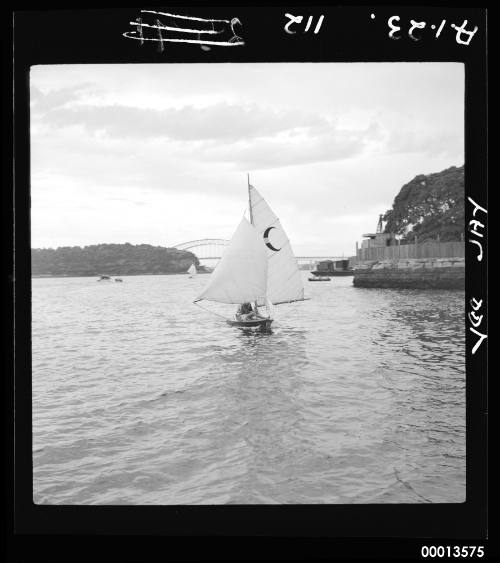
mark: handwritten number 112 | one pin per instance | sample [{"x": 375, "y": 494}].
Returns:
[{"x": 298, "y": 19}]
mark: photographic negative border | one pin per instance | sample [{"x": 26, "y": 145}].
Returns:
[{"x": 346, "y": 34}]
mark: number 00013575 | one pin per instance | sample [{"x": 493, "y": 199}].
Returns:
[{"x": 452, "y": 551}]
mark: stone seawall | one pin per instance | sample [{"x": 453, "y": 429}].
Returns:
[{"x": 423, "y": 273}]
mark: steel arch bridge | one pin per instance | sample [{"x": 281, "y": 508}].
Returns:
[
  {"x": 205, "y": 249},
  {"x": 212, "y": 249}
]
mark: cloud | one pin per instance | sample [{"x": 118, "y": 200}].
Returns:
[
  {"x": 333, "y": 144},
  {"x": 42, "y": 103},
  {"x": 155, "y": 153},
  {"x": 245, "y": 136},
  {"x": 220, "y": 121},
  {"x": 425, "y": 142}
]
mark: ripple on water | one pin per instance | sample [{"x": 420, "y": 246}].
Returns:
[{"x": 357, "y": 396}]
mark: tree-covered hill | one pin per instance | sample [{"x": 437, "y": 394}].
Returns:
[
  {"x": 110, "y": 259},
  {"x": 430, "y": 206}
]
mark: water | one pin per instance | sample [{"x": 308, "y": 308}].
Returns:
[{"x": 140, "y": 397}]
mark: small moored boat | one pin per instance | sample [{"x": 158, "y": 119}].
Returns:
[
  {"x": 320, "y": 278},
  {"x": 333, "y": 268}
]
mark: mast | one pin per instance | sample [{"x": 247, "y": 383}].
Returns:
[
  {"x": 251, "y": 222},
  {"x": 249, "y": 199}
]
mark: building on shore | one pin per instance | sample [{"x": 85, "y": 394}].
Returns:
[{"x": 382, "y": 261}]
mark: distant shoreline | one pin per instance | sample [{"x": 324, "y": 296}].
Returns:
[
  {"x": 110, "y": 259},
  {"x": 113, "y": 276}
]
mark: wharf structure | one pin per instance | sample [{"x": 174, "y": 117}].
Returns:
[
  {"x": 343, "y": 267},
  {"x": 382, "y": 261}
]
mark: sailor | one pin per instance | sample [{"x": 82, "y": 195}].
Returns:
[{"x": 245, "y": 312}]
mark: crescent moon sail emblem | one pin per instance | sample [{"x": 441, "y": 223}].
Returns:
[{"x": 266, "y": 240}]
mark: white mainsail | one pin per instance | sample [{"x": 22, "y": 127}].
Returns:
[
  {"x": 192, "y": 270},
  {"x": 241, "y": 274},
  {"x": 284, "y": 282}
]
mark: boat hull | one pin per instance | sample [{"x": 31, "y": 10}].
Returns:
[
  {"x": 263, "y": 324},
  {"x": 319, "y": 279},
  {"x": 334, "y": 273}
]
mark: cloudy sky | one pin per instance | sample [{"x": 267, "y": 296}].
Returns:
[{"x": 158, "y": 154}]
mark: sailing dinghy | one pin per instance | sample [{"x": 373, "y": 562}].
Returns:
[
  {"x": 258, "y": 268},
  {"x": 192, "y": 270}
]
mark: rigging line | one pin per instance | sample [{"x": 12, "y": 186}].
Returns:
[
  {"x": 250, "y": 210},
  {"x": 208, "y": 310},
  {"x": 292, "y": 301},
  {"x": 258, "y": 202},
  {"x": 294, "y": 273}
]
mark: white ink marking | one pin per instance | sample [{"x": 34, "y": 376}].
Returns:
[
  {"x": 394, "y": 28},
  {"x": 438, "y": 33},
  {"x": 293, "y": 19},
  {"x": 178, "y": 29},
  {"x": 473, "y": 226},
  {"x": 235, "y": 38},
  {"x": 182, "y": 17},
  {"x": 159, "y": 26},
  {"x": 318, "y": 26},
  {"x": 139, "y": 29},
  {"x": 415, "y": 25},
  {"x": 206, "y": 47},
  {"x": 230, "y": 43},
  {"x": 480, "y": 255},
  {"x": 477, "y": 320},
  {"x": 161, "y": 48},
  {"x": 477, "y": 207},
  {"x": 298, "y": 19},
  {"x": 479, "y": 342},
  {"x": 477, "y": 304},
  {"x": 462, "y": 31}
]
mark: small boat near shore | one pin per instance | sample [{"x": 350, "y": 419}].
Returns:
[
  {"x": 104, "y": 278},
  {"x": 333, "y": 268},
  {"x": 320, "y": 278}
]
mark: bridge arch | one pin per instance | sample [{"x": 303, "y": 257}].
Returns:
[
  {"x": 205, "y": 249},
  {"x": 213, "y": 248}
]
